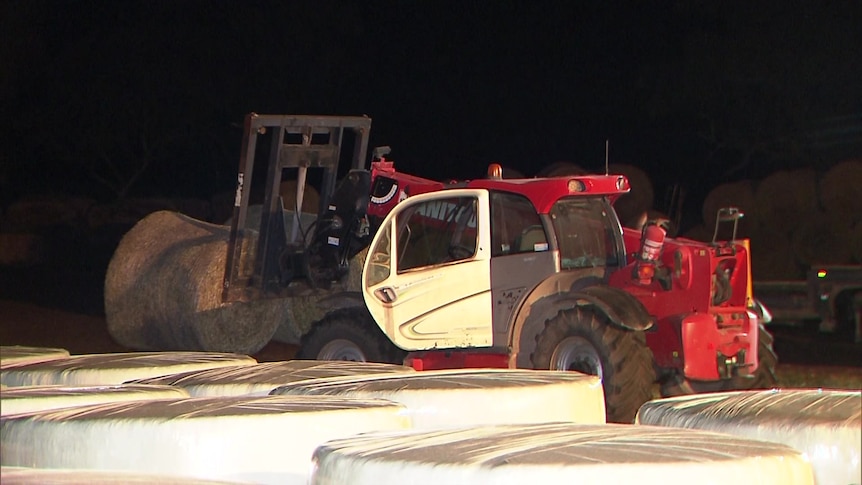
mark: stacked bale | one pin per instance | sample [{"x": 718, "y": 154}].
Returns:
[
  {"x": 839, "y": 193},
  {"x": 771, "y": 251},
  {"x": 856, "y": 242},
  {"x": 796, "y": 218},
  {"x": 631, "y": 206},
  {"x": 310, "y": 196},
  {"x": 784, "y": 198},
  {"x": 735, "y": 194},
  {"x": 816, "y": 240}
]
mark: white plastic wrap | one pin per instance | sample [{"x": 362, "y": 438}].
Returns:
[
  {"x": 260, "y": 379},
  {"x": 17, "y": 355},
  {"x": 558, "y": 453},
  {"x": 31, "y": 399},
  {"x": 38, "y": 476},
  {"x": 116, "y": 368},
  {"x": 267, "y": 439},
  {"x": 469, "y": 397},
  {"x": 826, "y": 425}
]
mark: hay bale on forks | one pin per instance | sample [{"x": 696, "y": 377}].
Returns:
[{"x": 163, "y": 291}]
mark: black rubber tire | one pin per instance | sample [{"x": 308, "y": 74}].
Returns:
[
  {"x": 764, "y": 377},
  {"x": 348, "y": 334},
  {"x": 627, "y": 370},
  {"x": 767, "y": 360}
]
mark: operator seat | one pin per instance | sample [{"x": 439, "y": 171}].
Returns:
[{"x": 530, "y": 237}]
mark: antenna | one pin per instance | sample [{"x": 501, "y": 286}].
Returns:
[{"x": 607, "y": 149}]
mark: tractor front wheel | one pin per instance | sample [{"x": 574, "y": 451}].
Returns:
[
  {"x": 348, "y": 334},
  {"x": 579, "y": 339}
]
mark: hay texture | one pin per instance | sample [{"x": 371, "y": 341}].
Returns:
[
  {"x": 784, "y": 198},
  {"x": 734, "y": 194},
  {"x": 773, "y": 257},
  {"x": 163, "y": 292},
  {"x": 631, "y": 206},
  {"x": 819, "y": 241},
  {"x": 856, "y": 242},
  {"x": 839, "y": 193}
]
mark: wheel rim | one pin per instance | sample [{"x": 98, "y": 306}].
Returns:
[
  {"x": 577, "y": 354},
  {"x": 341, "y": 349}
]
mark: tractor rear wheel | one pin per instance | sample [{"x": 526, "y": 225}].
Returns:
[
  {"x": 579, "y": 339},
  {"x": 348, "y": 334},
  {"x": 767, "y": 359}
]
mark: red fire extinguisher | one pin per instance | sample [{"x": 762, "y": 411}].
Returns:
[{"x": 652, "y": 240}]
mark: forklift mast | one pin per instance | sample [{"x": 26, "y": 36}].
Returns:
[{"x": 277, "y": 260}]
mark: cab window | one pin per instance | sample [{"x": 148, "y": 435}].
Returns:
[
  {"x": 515, "y": 227},
  {"x": 436, "y": 232}
]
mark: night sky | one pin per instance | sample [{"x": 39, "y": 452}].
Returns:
[{"x": 113, "y": 99}]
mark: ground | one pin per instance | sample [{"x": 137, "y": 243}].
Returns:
[
  {"x": 806, "y": 360},
  {"x": 31, "y": 325}
]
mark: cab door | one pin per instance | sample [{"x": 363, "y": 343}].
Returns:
[{"x": 426, "y": 279}]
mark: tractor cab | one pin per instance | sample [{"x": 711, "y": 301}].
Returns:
[{"x": 450, "y": 268}]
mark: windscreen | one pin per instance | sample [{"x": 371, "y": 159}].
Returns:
[{"x": 588, "y": 233}]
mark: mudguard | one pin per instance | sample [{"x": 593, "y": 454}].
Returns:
[
  {"x": 340, "y": 300},
  {"x": 622, "y": 309}
]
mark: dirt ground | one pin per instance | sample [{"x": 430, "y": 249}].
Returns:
[
  {"x": 35, "y": 326},
  {"x": 805, "y": 360}
]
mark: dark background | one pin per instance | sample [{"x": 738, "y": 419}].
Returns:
[
  {"x": 105, "y": 104},
  {"x": 113, "y": 99}
]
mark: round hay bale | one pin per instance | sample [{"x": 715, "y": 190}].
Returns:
[
  {"x": 856, "y": 242},
  {"x": 772, "y": 256},
  {"x": 310, "y": 197},
  {"x": 632, "y": 205},
  {"x": 734, "y": 194},
  {"x": 163, "y": 291},
  {"x": 839, "y": 192},
  {"x": 652, "y": 215},
  {"x": 785, "y": 197},
  {"x": 818, "y": 241},
  {"x": 699, "y": 233},
  {"x": 39, "y": 211},
  {"x": 21, "y": 249}
]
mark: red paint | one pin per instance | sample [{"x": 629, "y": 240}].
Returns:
[{"x": 455, "y": 359}]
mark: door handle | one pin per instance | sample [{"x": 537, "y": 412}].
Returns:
[{"x": 385, "y": 294}]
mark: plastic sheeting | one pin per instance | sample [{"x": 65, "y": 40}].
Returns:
[
  {"x": 558, "y": 453},
  {"x": 30, "y": 399},
  {"x": 17, "y": 355},
  {"x": 826, "y": 425},
  {"x": 116, "y": 368},
  {"x": 260, "y": 379},
  {"x": 472, "y": 397},
  {"x": 267, "y": 439}
]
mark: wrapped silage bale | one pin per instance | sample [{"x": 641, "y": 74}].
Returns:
[{"x": 826, "y": 425}]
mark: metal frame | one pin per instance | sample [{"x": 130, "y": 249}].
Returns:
[{"x": 273, "y": 239}]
